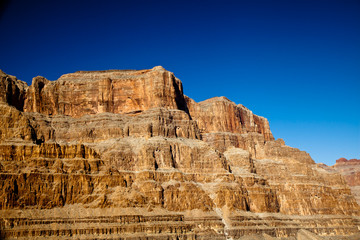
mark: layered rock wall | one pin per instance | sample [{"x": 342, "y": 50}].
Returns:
[
  {"x": 126, "y": 154},
  {"x": 12, "y": 91},
  {"x": 350, "y": 170},
  {"x": 219, "y": 114},
  {"x": 82, "y": 93}
]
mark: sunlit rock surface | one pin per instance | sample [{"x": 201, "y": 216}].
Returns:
[
  {"x": 350, "y": 170},
  {"x": 124, "y": 154}
]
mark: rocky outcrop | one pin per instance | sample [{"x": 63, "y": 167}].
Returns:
[
  {"x": 12, "y": 91},
  {"x": 114, "y": 91},
  {"x": 350, "y": 170},
  {"x": 219, "y": 114},
  {"x": 124, "y": 154}
]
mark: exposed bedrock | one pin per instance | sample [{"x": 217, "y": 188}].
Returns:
[
  {"x": 125, "y": 154},
  {"x": 350, "y": 170}
]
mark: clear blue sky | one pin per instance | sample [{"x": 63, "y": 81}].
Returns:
[{"x": 296, "y": 63}]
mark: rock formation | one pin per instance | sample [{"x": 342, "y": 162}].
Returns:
[
  {"x": 125, "y": 154},
  {"x": 350, "y": 170}
]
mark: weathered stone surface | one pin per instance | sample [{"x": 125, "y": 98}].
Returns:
[
  {"x": 114, "y": 91},
  {"x": 350, "y": 170},
  {"x": 219, "y": 114},
  {"x": 14, "y": 124},
  {"x": 95, "y": 128},
  {"x": 124, "y": 154},
  {"x": 12, "y": 90}
]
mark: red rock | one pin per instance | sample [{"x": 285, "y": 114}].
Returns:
[
  {"x": 221, "y": 115},
  {"x": 125, "y": 153},
  {"x": 350, "y": 170},
  {"x": 341, "y": 160},
  {"x": 354, "y": 160},
  {"x": 114, "y": 91}
]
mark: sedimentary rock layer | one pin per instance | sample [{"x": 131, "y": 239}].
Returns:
[
  {"x": 350, "y": 170},
  {"x": 125, "y": 154},
  {"x": 82, "y": 93}
]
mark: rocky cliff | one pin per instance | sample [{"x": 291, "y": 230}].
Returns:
[
  {"x": 350, "y": 170},
  {"x": 125, "y": 154}
]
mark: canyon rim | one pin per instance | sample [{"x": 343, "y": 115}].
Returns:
[{"x": 124, "y": 154}]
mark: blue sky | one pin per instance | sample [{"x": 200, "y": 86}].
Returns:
[{"x": 296, "y": 63}]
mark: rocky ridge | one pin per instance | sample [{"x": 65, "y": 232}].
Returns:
[{"x": 125, "y": 154}]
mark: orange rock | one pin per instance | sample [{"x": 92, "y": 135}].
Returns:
[
  {"x": 350, "y": 170},
  {"x": 114, "y": 91},
  {"x": 125, "y": 153},
  {"x": 219, "y": 114}
]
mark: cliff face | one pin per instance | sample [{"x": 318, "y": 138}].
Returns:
[
  {"x": 12, "y": 91},
  {"x": 82, "y": 93},
  {"x": 219, "y": 114},
  {"x": 350, "y": 170},
  {"x": 125, "y": 153}
]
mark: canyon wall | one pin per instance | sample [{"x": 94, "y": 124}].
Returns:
[
  {"x": 125, "y": 154},
  {"x": 82, "y": 93},
  {"x": 350, "y": 170}
]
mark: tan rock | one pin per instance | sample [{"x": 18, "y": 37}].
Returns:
[
  {"x": 350, "y": 170},
  {"x": 124, "y": 154}
]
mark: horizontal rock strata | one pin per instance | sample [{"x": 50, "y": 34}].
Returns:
[
  {"x": 124, "y": 154},
  {"x": 350, "y": 170}
]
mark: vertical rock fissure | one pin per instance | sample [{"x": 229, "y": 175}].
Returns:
[
  {"x": 220, "y": 213},
  {"x": 218, "y": 210}
]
